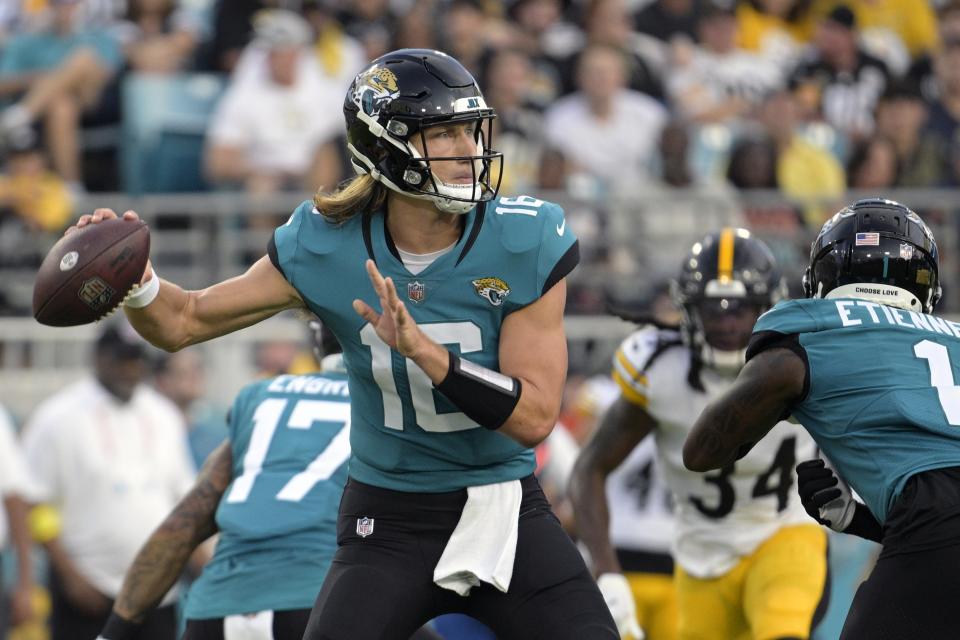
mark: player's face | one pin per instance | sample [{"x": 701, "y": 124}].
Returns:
[
  {"x": 727, "y": 323},
  {"x": 450, "y": 140}
]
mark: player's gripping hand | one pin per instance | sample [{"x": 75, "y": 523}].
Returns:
[
  {"x": 619, "y": 598},
  {"x": 119, "y": 628},
  {"x": 98, "y": 216},
  {"x": 825, "y": 498},
  {"x": 395, "y": 326}
]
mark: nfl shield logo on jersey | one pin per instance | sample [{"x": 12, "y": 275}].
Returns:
[
  {"x": 416, "y": 291},
  {"x": 364, "y": 526}
]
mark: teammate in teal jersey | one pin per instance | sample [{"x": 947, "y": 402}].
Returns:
[
  {"x": 866, "y": 369},
  {"x": 452, "y": 385},
  {"x": 271, "y": 491}
]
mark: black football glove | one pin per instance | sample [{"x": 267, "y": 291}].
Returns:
[
  {"x": 825, "y": 498},
  {"x": 118, "y": 628}
]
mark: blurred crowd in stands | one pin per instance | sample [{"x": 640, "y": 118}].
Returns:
[
  {"x": 600, "y": 99},
  {"x": 805, "y": 96}
]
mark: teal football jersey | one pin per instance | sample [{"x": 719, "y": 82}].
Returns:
[
  {"x": 289, "y": 437},
  {"x": 882, "y": 401},
  {"x": 406, "y": 435}
]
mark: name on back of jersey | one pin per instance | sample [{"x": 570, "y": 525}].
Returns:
[
  {"x": 861, "y": 313},
  {"x": 310, "y": 385}
]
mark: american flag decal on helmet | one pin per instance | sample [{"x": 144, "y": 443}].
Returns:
[{"x": 871, "y": 239}]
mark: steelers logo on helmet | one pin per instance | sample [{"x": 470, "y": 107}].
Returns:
[
  {"x": 727, "y": 280},
  {"x": 390, "y": 105},
  {"x": 876, "y": 250}
]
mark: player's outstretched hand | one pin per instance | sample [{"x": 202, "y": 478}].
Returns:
[
  {"x": 98, "y": 216},
  {"x": 395, "y": 326},
  {"x": 824, "y": 497}
]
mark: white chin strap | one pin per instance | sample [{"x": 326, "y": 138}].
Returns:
[
  {"x": 879, "y": 293},
  {"x": 723, "y": 361},
  {"x": 445, "y": 203}
]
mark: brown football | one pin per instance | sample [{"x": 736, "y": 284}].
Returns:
[{"x": 89, "y": 272}]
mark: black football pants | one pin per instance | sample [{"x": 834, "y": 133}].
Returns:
[
  {"x": 380, "y": 587},
  {"x": 913, "y": 591}
]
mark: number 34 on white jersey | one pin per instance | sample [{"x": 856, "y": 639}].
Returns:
[{"x": 721, "y": 515}]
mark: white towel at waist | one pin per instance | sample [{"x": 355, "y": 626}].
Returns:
[{"x": 484, "y": 542}]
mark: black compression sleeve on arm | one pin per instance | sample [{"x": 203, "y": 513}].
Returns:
[
  {"x": 487, "y": 397},
  {"x": 864, "y": 524}
]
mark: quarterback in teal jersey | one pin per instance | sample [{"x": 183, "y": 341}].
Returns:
[
  {"x": 867, "y": 369},
  {"x": 448, "y": 302}
]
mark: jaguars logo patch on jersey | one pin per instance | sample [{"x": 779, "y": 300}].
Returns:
[{"x": 493, "y": 290}]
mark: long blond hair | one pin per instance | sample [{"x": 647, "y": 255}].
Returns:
[{"x": 360, "y": 193}]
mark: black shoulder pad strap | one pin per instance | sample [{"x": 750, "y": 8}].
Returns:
[
  {"x": 564, "y": 266},
  {"x": 274, "y": 256}
]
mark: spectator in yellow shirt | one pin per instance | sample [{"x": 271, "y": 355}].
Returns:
[
  {"x": 913, "y": 21},
  {"x": 774, "y": 28},
  {"x": 32, "y": 192},
  {"x": 806, "y": 173}
]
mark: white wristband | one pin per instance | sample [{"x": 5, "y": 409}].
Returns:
[{"x": 141, "y": 296}]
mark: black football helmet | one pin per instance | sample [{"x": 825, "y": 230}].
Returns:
[
  {"x": 322, "y": 341},
  {"x": 725, "y": 273},
  {"x": 395, "y": 98},
  {"x": 875, "y": 242}
]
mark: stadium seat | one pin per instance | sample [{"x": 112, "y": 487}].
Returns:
[{"x": 164, "y": 126}]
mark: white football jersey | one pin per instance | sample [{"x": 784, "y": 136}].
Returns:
[
  {"x": 641, "y": 509},
  {"x": 722, "y": 515}
]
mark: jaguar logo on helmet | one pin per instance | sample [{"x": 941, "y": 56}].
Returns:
[
  {"x": 493, "y": 290},
  {"x": 374, "y": 89}
]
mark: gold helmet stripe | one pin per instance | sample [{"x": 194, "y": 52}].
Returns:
[{"x": 725, "y": 255}]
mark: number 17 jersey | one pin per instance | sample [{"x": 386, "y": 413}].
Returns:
[{"x": 289, "y": 437}]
